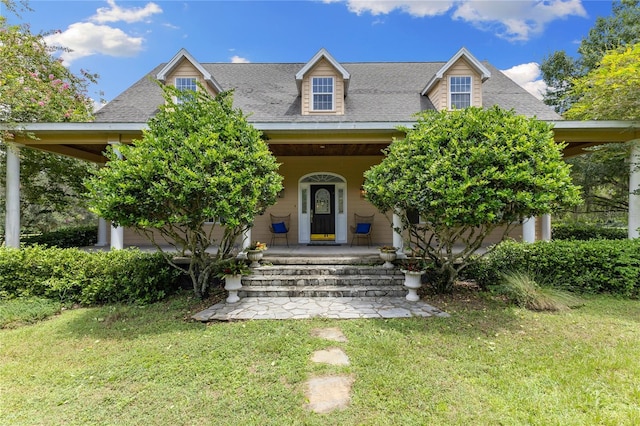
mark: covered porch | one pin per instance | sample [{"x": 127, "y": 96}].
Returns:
[{"x": 312, "y": 155}]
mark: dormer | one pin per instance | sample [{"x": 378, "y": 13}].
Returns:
[
  {"x": 322, "y": 85},
  {"x": 458, "y": 84},
  {"x": 183, "y": 71}
]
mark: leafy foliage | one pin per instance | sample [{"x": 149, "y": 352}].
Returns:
[
  {"x": 621, "y": 29},
  {"x": 595, "y": 266},
  {"x": 200, "y": 160},
  {"x": 611, "y": 91},
  {"x": 467, "y": 173},
  {"x": 76, "y": 276},
  {"x": 558, "y": 70},
  {"x": 77, "y": 236},
  {"x": 583, "y": 232},
  {"x": 35, "y": 87},
  {"x": 603, "y": 175}
]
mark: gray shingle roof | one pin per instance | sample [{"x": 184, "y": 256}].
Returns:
[{"x": 378, "y": 92}]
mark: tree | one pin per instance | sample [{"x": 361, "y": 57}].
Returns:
[
  {"x": 603, "y": 176},
  {"x": 467, "y": 173},
  {"x": 558, "y": 70},
  {"x": 36, "y": 87},
  {"x": 602, "y": 173},
  {"x": 611, "y": 91},
  {"x": 199, "y": 162},
  {"x": 622, "y": 28}
]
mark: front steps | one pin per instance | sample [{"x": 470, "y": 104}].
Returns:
[{"x": 323, "y": 277}]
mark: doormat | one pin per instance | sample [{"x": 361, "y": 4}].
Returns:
[{"x": 322, "y": 244}]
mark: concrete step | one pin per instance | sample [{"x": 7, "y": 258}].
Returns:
[
  {"x": 324, "y": 269},
  {"x": 317, "y": 280},
  {"x": 322, "y": 291},
  {"x": 323, "y": 277},
  {"x": 322, "y": 260}
]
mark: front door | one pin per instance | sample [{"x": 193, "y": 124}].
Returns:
[{"x": 323, "y": 216}]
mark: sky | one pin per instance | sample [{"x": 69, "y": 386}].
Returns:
[{"x": 123, "y": 40}]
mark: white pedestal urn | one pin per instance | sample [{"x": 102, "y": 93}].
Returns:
[
  {"x": 254, "y": 256},
  {"x": 388, "y": 257},
  {"x": 413, "y": 281},
  {"x": 233, "y": 283}
]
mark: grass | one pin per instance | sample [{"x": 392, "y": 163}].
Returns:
[
  {"x": 17, "y": 312},
  {"x": 487, "y": 364},
  {"x": 523, "y": 290}
]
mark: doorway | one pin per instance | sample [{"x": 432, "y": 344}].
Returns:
[
  {"x": 323, "y": 216},
  {"x": 322, "y": 208}
]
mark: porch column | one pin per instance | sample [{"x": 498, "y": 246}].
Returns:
[
  {"x": 117, "y": 232},
  {"x": 398, "y": 242},
  {"x": 12, "y": 218},
  {"x": 634, "y": 184},
  {"x": 117, "y": 237},
  {"x": 529, "y": 230},
  {"x": 246, "y": 242},
  {"x": 546, "y": 227},
  {"x": 102, "y": 233}
]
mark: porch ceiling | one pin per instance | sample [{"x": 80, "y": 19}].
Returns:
[
  {"x": 281, "y": 150},
  {"x": 88, "y": 141}
]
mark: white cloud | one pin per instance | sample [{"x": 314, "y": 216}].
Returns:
[
  {"x": 90, "y": 38},
  {"x": 115, "y": 13},
  {"x": 86, "y": 39},
  {"x": 414, "y": 8},
  {"x": 514, "y": 20},
  {"x": 517, "y": 20},
  {"x": 527, "y": 76},
  {"x": 239, "y": 60}
]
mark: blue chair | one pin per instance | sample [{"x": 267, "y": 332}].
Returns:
[
  {"x": 279, "y": 227},
  {"x": 362, "y": 229}
]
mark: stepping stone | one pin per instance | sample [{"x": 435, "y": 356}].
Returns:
[
  {"x": 334, "y": 334},
  {"x": 333, "y": 356},
  {"x": 326, "y": 394}
]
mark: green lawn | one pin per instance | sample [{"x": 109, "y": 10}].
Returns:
[{"x": 487, "y": 364}]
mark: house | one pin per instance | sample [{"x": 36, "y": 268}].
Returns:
[{"x": 327, "y": 122}]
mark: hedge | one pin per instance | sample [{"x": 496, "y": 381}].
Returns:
[
  {"x": 76, "y": 276},
  {"x": 77, "y": 236},
  {"x": 585, "y": 232},
  {"x": 595, "y": 266}
]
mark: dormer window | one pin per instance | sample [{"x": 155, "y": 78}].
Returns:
[
  {"x": 460, "y": 92},
  {"x": 185, "y": 83},
  {"x": 322, "y": 89}
]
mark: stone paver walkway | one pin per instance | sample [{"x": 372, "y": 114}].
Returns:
[
  {"x": 328, "y": 393},
  {"x": 281, "y": 308}
]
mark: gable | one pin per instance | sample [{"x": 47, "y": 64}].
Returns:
[
  {"x": 322, "y": 69},
  {"x": 441, "y": 91},
  {"x": 183, "y": 65},
  {"x": 463, "y": 64}
]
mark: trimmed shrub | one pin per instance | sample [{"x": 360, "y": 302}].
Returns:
[
  {"x": 583, "y": 232},
  {"x": 595, "y": 266},
  {"x": 76, "y": 276},
  {"x": 77, "y": 236}
]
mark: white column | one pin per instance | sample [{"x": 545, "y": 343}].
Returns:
[
  {"x": 529, "y": 230},
  {"x": 398, "y": 242},
  {"x": 117, "y": 237},
  {"x": 102, "y": 233},
  {"x": 246, "y": 242},
  {"x": 12, "y": 218},
  {"x": 634, "y": 184},
  {"x": 117, "y": 232},
  {"x": 546, "y": 227}
]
